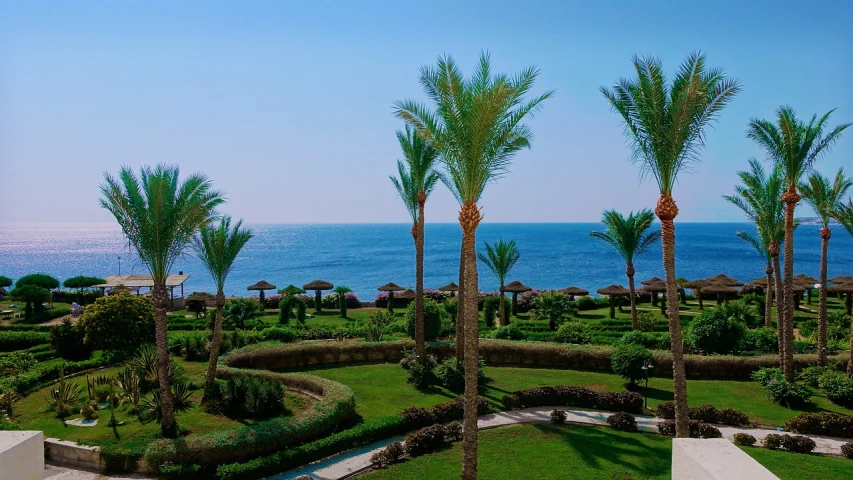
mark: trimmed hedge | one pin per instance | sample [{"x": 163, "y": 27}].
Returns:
[
  {"x": 571, "y": 396},
  {"x": 697, "y": 429},
  {"x": 823, "y": 423},
  {"x": 42, "y": 375},
  {"x": 20, "y": 340},
  {"x": 502, "y": 352},
  {"x": 705, "y": 413},
  {"x": 252, "y": 441}
]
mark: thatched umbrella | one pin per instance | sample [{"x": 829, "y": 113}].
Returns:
[
  {"x": 515, "y": 288},
  {"x": 697, "y": 286},
  {"x": 841, "y": 279},
  {"x": 723, "y": 279},
  {"x": 723, "y": 292},
  {"x": 260, "y": 287},
  {"x": 573, "y": 292},
  {"x": 809, "y": 283},
  {"x": 291, "y": 290},
  {"x": 799, "y": 289},
  {"x": 390, "y": 287},
  {"x": 450, "y": 287},
  {"x": 613, "y": 291},
  {"x": 318, "y": 286},
  {"x": 653, "y": 281},
  {"x": 201, "y": 297},
  {"x": 659, "y": 287},
  {"x": 408, "y": 294},
  {"x": 197, "y": 302},
  {"x": 844, "y": 288}
]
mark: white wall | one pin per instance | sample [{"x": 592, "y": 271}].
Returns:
[{"x": 21, "y": 455}]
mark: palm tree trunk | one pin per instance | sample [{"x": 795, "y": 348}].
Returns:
[
  {"x": 780, "y": 303},
  {"x": 790, "y": 197},
  {"x": 469, "y": 218},
  {"x": 666, "y": 211},
  {"x": 768, "y": 296},
  {"x": 460, "y": 307},
  {"x": 825, "y": 233},
  {"x": 168, "y": 426},
  {"x": 635, "y": 324},
  {"x": 215, "y": 343},
  {"x": 501, "y": 309},
  {"x": 419, "y": 280}
]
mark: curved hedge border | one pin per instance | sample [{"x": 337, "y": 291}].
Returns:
[
  {"x": 247, "y": 442},
  {"x": 501, "y": 352}
]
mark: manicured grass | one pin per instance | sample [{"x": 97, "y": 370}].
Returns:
[
  {"x": 382, "y": 390},
  {"x": 133, "y": 436},
  {"x": 792, "y": 466}
]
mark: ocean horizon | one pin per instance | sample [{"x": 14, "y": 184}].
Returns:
[{"x": 364, "y": 256}]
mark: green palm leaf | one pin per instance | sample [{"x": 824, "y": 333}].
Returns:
[
  {"x": 629, "y": 236},
  {"x": 499, "y": 258}
]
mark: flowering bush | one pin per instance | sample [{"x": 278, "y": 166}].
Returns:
[
  {"x": 330, "y": 301},
  {"x": 527, "y": 299}
]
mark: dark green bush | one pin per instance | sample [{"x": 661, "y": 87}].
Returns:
[
  {"x": 490, "y": 310},
  {"x": 772, "y": 441},
  {"x": 743, "y": 440},
  {"x": 68, "y": 341},
  {"x": 628, "y": 361},
  {"x": 572, "y": 332},
  {"x": 282, "y": 334},
  {"x": 654, "y": 340},
  {"x": 823, "y": 423},
  {"x": 120, "y": 322},
  {"x": 451, "y": 373},
  {"x": 847, "y": 450},
  {"x": 286, "y": 306},
  {"x": 193, "y": 346},
  {"x": 697, "y": 429},
  {"x": 11, "y": 341},
  {"x": 509, "y": 332},
  {"x": 426, "y": 440},
  {"x": 715, "y": 332},
  {"x": 760, "y": 340},
  {"x": 798, "y": 443},
  {"x": 239, "y": 311},
  {"x": 784, "y": 393},
  {"x": 622, "y": 421},
  {"x": 705, "y": 413},
  {"x": 558, "y": 417},
  {"x": 837, "y": 388},
  {"x": 571, "y": 396},
  {"x": 250, "y": 397},
  {"x": 420, "y": 370},
  {"x": 433, "y": 315}
]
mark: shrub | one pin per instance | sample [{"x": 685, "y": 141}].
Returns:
[
  {"x": 705, "y": 413},
  {"x": 425, "y": 440},
  {"x": 697, "y": 429},
  {"x": 10, "y": 341},
  {"x": 554, "y": 307},
  {"x": 391, "y": 454},
  {"x": 823, "y": 423},
  {"x": 715, "y": 332},
  {"x": 773, "y": 441},
  {"x": 760, "y": 340},
  {"x": 120, "y": 322},
  {"x": 376, "y": 326},
  {"x": 658, "y": 341},
  {"x": 286, "y": 306},
  {"x": 811, "y": 375},
  {"x": 451, "y": 373},
  {"x": 622, "y": 421},
  {"x": 491, "y": 306},
  {"x": 628, "y": 360},
  {"x": 784, "y": 393},
  {"x": 433, "y": 315},
  {"x": 68, "y": 341},
  {"x": 572, "y": 332},
  {"x": 238, "y": 311},
  {"x": 193, "y": 346},
  {"x": 798, "y": 443},
  {"x": 730, "y": 416},
  {"x": 847, "y": 450},
  {"x": 558, "y": 417},
  {"x": 418, "y": 417},
  {"x": 743, "y": 440},
  {"x": 282, "y": 334},
  {"x": 742, "y": 312},
  {"x": 665, "y": 410},
  {"x": 251, "y": 397},
  {"x": 509, "y": 332},
  {"x": 572, "y": 396},
  {"x": 181, "y": 393},
  {"x": 838, "y": 388},
  {"x": 421, "y": 370},
  {"x": 451, "y": 307},
  {"x": 646, "y": 321},
  {"x": 589, "y": 303}
]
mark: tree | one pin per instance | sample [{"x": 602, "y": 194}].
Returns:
[
  {"x": 342, "y": 291},
  {"x": 631, "y": 238},
  {"x": 500, "y": 257},
  {"x": 553, "y": 306},
  {"x": 844, "y": 215},
  {"x": 5, "y": 282},
  {"x": 665, "y": 122},
  {"x": 824, "y": 196},
  {"x": 32, "y": 295},
  {"x": 760, "y": 199},
  {"x": 81, "y": 281},
  {"x": 794, "y": 146},
  {"x": 476, "y": 128},
  {"x": 417, "y": 179},
  {"x": 239, "y": 310},
  {"x": 40, "y": 280},
  {"x": 121, "y": 323},
  {"x": 159, "y": 216},
  {"x": 217, "y": 247}
]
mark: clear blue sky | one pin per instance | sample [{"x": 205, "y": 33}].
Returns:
[{"x": 287, "y": 105}]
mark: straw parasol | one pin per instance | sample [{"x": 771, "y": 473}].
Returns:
[
  {"x": 408, "y": 294},
  {"x": 318, "y": 286},
  {"x": 697, "y": 286},
  {"x": 201, "y": 297},
  {"x": 260, "y": 287},
  {"x": 450, "y": 287},
  {"x": 652, "y": 280},
  {"x": 574, "y": 291},
  {"x": 613, "y": 291},
  {"x": 841, "y": 279},
  {"x": 291, "y": 290},
  {"x": 515, "y": 287},
  {"x": 805, "y": 279},
  {"x": 723, "y": 292},
  {"x": 723, "y": 279},
  {"x": 197, "y": 302},
  {"x": 844, "y": 288},
  {"x": 390, "y": 287}
]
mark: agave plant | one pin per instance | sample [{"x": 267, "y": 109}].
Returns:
[
  {"x": 127, "y": 381},
  {"x": 62, "y": 397}
]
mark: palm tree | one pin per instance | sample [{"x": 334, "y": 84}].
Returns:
[
  {"x": 476, "y": 128},
  {"x": 217, "y": 246},
  {"x": 794, "y": 146},
  {"x": 844, "y": 215},
  {"x": 342, "y": 291},
  {"x": 500, "y": 257},
  {"x": 824, "y": 196},
  {"x": 159, "y": 216},
  {"x": 417, "y": 180},
  {"x": 666, "y": 127},
  {"x": 630, "y": 237},
  {"x": 760, "y": 199}
]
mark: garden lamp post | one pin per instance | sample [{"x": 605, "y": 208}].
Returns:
[{"x": 646, "y": 367}]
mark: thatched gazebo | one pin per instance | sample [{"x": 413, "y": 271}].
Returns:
[
  {"x": 723, "y": 292},
  {"x": 260, "y": 287},
  {"x": 318, "y": 286},
  {"x": 697, "y": 286},
  {"x": 450, "y": 287},
  {"x": 653, "y": 281},
  {"x": 407, "y": 294},
  {"x": 659, "y": 287},
  {"x": 843, "y": 288},
  {"x": 291, "y": 290},
  {"x": 841, "y": 279},
  {"x": 808, "y": 282},
  {"x": 197, "y": 302},
  {"x": 723, "y": 279},
  {"x": 515, "y": 287},
  {"x": 390, "y": 287},
  {"x": 611, "y": 292},
  {"x": 573, "y": 292}
]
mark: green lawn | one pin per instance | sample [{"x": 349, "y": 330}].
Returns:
[
  {"x": 587, "y": 452},
  {"x": 382, "y": 390}
]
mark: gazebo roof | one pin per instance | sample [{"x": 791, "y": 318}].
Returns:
[
  {"x": 841, "y": 287},
  {"x": 718, "y": 289},
  {"x": 614, "y": 291},
  {"x": 407, "y": 294},
  {"x": 726, "y": 280},
  {"x": 842, "y": 279},
  {"x": 760, "y": 281},
  {"x": 651, "y": 281},
  {"x": 121, "y": 289},
  {"x": 701, "y": 283},
  {"x": 802, "y": 278},
  {"x": 390, "y": 287},
  {"x": 201, "y": 297},
  {"x": 516, "y": 287},
  {"x": 318, "y": 285},
  {"x": 658, "y": 287},
  {"x": 141, "y": 281},
  {"x": 450, "y": 287},
  {"x": 574, "y": 291},
  {"x": 262, "y": 285}
]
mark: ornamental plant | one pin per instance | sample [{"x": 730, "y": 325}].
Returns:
[
  {"x": 122, "y": 322},
  {"x": 628, "y": 360}
]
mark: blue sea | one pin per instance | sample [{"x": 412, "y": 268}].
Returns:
[{"x": 365, "y": 256}]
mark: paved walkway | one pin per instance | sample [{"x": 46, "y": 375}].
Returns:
[{"x": 349, "y": 463}]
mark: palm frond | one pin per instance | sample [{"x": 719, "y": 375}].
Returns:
[
  {"x": 629, "y": 235},
  {"x": 217, "y": 247},
  {"x": 500, "y": 258}
]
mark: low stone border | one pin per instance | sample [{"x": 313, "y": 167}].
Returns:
[{"x": 71, "y": 454}]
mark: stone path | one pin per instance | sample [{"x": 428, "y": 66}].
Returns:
[
  {"x": 54, "y": 472},
  {"x": 348, "y": 464}
]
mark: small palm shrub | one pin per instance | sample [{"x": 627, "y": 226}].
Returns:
[
  {"x": 181, "y": 393},
  {"x": 628, "y": 360},
  {"x": 62, "y": 398},
  {"x": 744, "y": 440},
  {"x": 250, "y": 397},
  {"x": 558, "y": 417},
  {"x": 376, "y": 326},
  {"x": 622, "y": 421},
  {"x": 238, "y": 311}
]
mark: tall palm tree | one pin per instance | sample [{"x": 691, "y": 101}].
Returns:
[
  {"x": 500, "y": 257},
  {"x": 824, "y": 196},
  {"x": 794, "y": 146},
  {"x": 760, "y": 199},
  {"x": 844, "y": 215},
  {"x": 476, "y": 128},
  {"x": 159, "y": 216},
  {"x": 417, "y": 179},
  {"x": 630, "y": 237},
  {"x": 217, "y": 246},
  {"x": 665, "y": 123}
]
